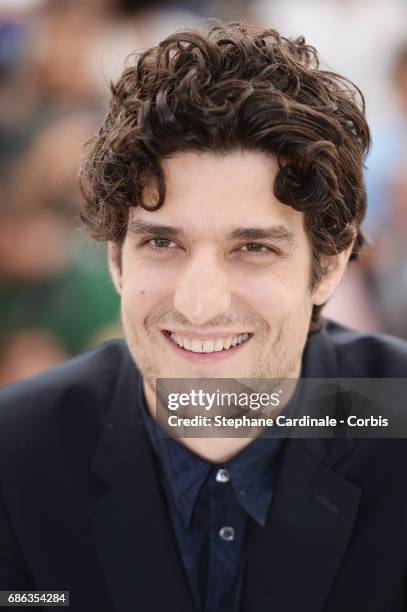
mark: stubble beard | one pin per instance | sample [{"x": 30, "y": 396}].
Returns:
[{"x": 281, "y": 360}]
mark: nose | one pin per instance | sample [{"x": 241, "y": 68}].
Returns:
[{"x": 202, "y": 292}]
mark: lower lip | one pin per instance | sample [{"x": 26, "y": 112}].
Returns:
[{"x": 205, "y": 357}]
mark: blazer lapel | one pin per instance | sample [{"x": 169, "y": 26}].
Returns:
[
  {"x": 297, "y": 554},
  {"x": 131, "y": 526}
]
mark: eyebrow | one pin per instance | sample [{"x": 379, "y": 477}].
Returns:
[
  {"x": 274, "y": 232},
  {"x": 140, "y": 228}
]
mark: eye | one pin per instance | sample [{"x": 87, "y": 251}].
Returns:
[
  {"x": 160, "y": 243},
  {"x": 255, "y": 247}
]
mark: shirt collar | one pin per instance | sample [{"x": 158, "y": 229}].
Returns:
[{"x": 253, "y": 474}]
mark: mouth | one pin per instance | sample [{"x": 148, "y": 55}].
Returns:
[{"x": 204, "y": 348}]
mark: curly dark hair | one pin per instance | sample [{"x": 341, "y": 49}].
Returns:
[{"x": 236, "y": 87}]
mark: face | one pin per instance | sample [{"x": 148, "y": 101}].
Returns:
[{"x": 216, "y": 283}]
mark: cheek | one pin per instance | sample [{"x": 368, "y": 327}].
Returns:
[
  {"x": 143, "y": 293},
  {"x": 142, "y": 275},
  {"x": 274, "y": 293}
]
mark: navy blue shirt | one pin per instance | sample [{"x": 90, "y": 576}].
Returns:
[{"x": 210, "y": 506}]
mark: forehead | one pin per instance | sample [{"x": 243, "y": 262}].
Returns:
[{"x": 214, "y": 193}]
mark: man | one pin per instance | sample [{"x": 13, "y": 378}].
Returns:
[{"x": 227, "y": 180}]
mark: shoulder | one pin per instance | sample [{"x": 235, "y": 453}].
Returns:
[
  {"x": 76, "y": 392},
  {"x": 366, "y": 355}
]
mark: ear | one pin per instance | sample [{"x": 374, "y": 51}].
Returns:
[
  {"x": 114, "y": 258},
  {"x": 334, "y": 267}
]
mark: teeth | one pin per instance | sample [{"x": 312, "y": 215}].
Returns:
[
  {"x": 218, "y": 345},
  {"x": 227, "y": 343},
  {"x": 208, "y": 346},
  {"x": 196, "y": 346}
]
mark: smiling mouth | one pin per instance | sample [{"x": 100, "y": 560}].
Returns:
[{"x": 201, "y": 345}]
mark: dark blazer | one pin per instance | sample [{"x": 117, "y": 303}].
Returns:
[{"x": 81, "y": 507}]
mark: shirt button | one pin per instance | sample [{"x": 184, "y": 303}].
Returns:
[
  {"x": 222, "y": 475},
  {"x": 227, "y": 534}
]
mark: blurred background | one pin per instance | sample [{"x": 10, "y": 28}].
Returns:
[{"x": 56, "y": 59}]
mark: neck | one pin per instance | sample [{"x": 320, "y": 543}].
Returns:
[{"x": 219, "y": 449}]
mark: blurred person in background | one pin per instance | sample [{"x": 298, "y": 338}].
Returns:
[
  {"x": 55, "y": 295},
  {"x": 51, "y": 102},
  {"x": 386, "y": 180}
]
